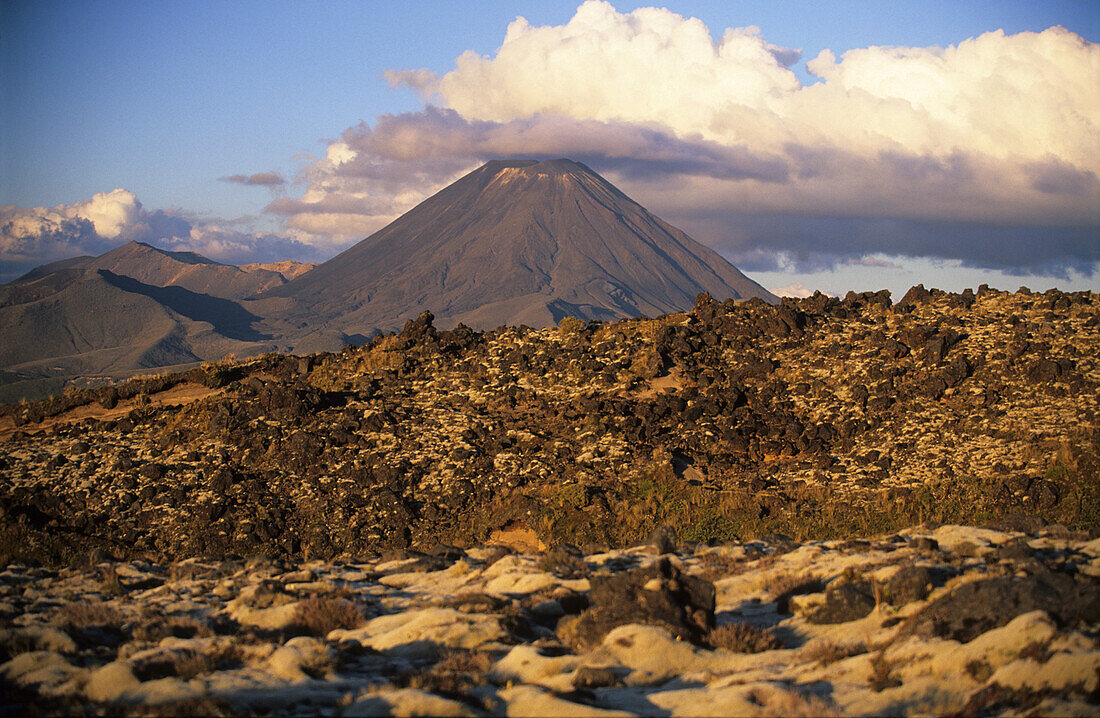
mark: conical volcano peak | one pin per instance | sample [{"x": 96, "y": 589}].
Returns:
[
  {"x": 517, "y": 241},
  {"x": 534, "y": 169},
  {"x": 561, "y": 173}
]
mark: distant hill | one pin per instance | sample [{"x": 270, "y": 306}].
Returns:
[
  {"x": 161, "y": 268},
  {"x": 92, "y": 322},
  {"x": 517, "y": 242}
]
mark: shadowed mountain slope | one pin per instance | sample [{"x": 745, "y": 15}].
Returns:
[
  {"x": 80, "y": 322},
  {"x": 161, "y": 268},
  {"x": 517, "y": 242}
]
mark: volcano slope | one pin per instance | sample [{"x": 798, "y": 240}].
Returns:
[
  {"x": 818, "y": 418},
  {"x": 515, "y": 242}
]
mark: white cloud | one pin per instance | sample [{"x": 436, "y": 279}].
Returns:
[
  {"x": 1000, "y": 130},
  {"x": 37, "y": 235},
  {"x": 109, "y": 212},
  {"x": 1030, "y": 95},
  {"x": 650, "y": 65},
  {"x": 798, "y": 290}
]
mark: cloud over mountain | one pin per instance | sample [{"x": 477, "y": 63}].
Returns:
[
  {"x": 985, "y": 153},
  {"x": 951, "y": 146}
]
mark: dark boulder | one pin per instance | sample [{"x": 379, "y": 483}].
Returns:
[
  {"x": 974, "y": 608},
  {"x": 845, "y": 602},
  {"x": 913, "y": 583},
  {"x": 659, "y": 595}
]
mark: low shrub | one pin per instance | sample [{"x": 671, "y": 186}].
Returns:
[
  {"x": 319, "y": 615},
  {"x": 743, "y": 638}
]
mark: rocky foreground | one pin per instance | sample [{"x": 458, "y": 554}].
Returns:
[
  {"x": 819, "y": 418},
  {"x": 957, "y": 620}
]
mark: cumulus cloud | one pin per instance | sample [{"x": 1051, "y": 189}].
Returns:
[
  {"x": 797, "y": 290},
  {"x": 985, "y": 153},
  {"x": 37, "y": 235},
  {"x": 913, "y": 151},
  {"x": 263, "y": 179}
]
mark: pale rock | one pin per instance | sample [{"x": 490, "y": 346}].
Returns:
[
  {"x": 354, "y": 575},
  {"x": 164, "y": 690},
  {"x": 754, "y": 699},
  {"x": 654, "y": 656},
  {"x": 401, "y": 580},
  {"x": 425, "y": 632},
  {"x": 48, "y": 672},
  {"x": 43, "y": 638},
  {"x": 407, "y": 702},
  {"x": 533, "y": 702},
  {"x": 951, "y": 537},
  {"x": 395, "y": 565},
  {"x": 296, "y": 659},
  {"x": 1092, "y": 568},
  {"x": 522, "y": 583},
  {"x": 924, "y": 695},
  {"x": 1074, "y": 642},
  {"x": 996, "y": 647},
  {"x": 852, "y": 671},
  {"x": 111, "y": 683},
  {"x": 274, "y": 618},
  {"x": 1092, "y": 548},
  {"x": 1064, "y": 707},
  {"x": 524, "y": 664},
  {"x": 1062, "y": 671}
]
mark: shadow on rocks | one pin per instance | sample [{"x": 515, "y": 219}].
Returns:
[
  {"x": 974, "y": 608},
  {"x": 659, "y": 595}
]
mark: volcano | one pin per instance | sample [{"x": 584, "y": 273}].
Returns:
[{"x": 516, "y": 242}]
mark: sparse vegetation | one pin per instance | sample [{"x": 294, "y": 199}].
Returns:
[
  {"x": 882, "y": 673},
  {"x": 571, "y": 326},
  {"x": 85, "y": 614},
  {"x": 743, "y": 638},
  {"x": 318, "y": 615},
  {"x": 827, "y": 652},
  {"x": 456, "y": 674}
]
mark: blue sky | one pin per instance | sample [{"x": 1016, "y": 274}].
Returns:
[{"x": 163, "y": 99}]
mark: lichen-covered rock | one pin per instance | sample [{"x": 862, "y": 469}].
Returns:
[
  {"x": 658, "y": 595},
  {"x": 844, "y": 602},
  {"x": 978, "y": 606}
]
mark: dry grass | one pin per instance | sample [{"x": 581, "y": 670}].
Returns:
[
  {"x": 319, "y": 615},
  {"x": 563, "y": 564},
  {"x": 89, "y": 613},
  {"x": 882, "y": 673},
  {"x": 456, "y": 674},
  {"x": 154, "y": 628},
  {"x": 189, "y": 665},
  {"x": 716, "y": 565},
  {"x": 826, "y": 652},
  {"x": 743, "y": 638},
  {"x": 110, "y": 583},
  {"x": 792, "y": 704},
  {"x": 980, "y": 671},
  {"x": 465, "y": 662}
]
